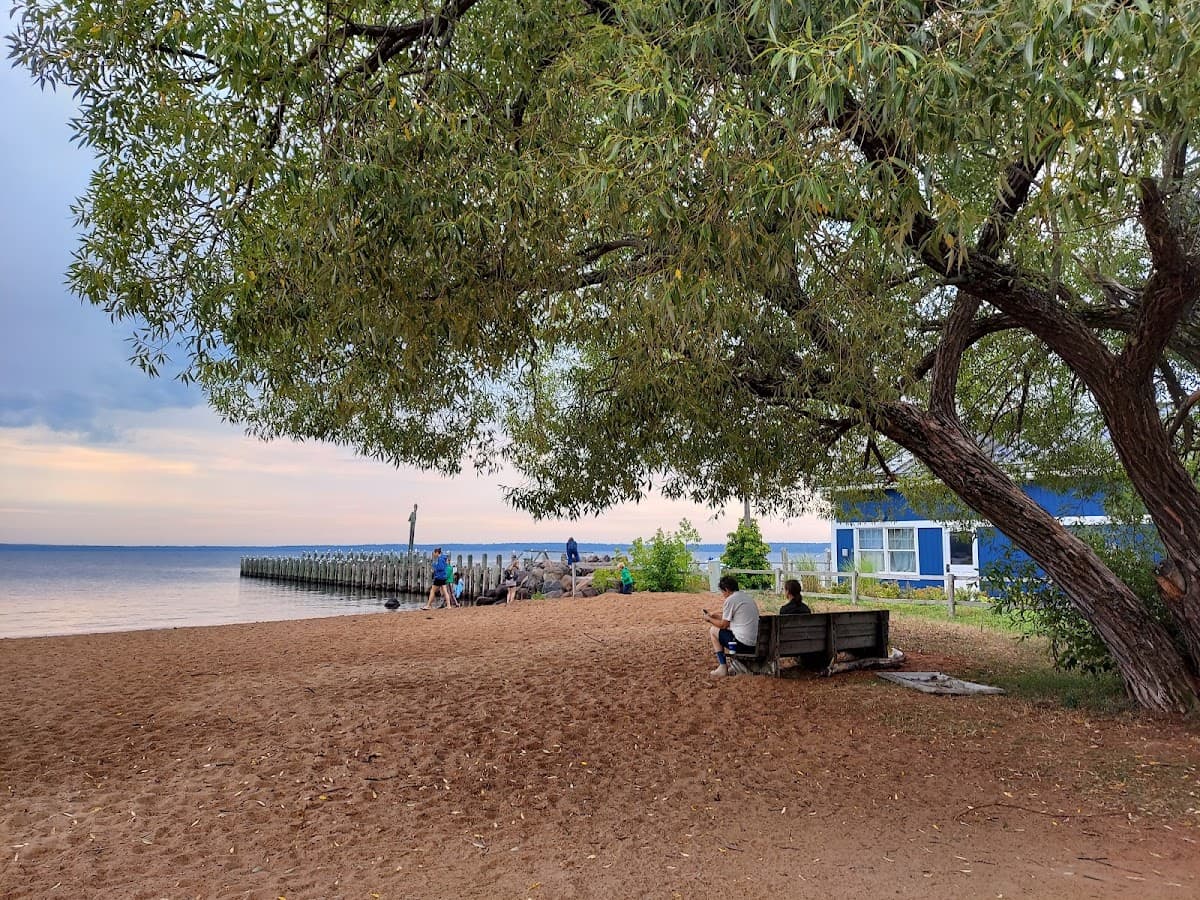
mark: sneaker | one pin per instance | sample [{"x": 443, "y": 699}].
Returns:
[{"x": 719, "y": 671}]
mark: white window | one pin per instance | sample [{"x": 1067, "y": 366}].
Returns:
[
  {"x": 887, "y": 549},
  {"x": 870, "y": 549},
  {"x": 902, "y": 549}
]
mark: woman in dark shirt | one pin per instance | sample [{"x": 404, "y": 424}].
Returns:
[{"x": 795, "y": 605}]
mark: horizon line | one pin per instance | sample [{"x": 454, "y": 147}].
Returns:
[{"x": 538, "y": 545}]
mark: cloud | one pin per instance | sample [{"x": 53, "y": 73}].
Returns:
[
  {"x": 184, "y": 477},
  {"x": 90, "y": 415}
]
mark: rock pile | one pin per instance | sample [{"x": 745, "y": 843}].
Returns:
[{"x": 552, "y": 578}]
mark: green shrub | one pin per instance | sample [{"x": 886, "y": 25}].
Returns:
[
  {"x": 746, "y": 549},
  {"x": 664, "y": 563},
  {"x": 806, "y": 574},
  {"x": 871, "y": 587},
  {"x": 1030, "y": 600},
  {"x": 603, "y": 579},
  {"x": 930, "y": 593}
]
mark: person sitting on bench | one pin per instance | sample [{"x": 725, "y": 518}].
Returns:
[
  {"x": 736, "y": 623},
  {"x": 795, "y": 605}
]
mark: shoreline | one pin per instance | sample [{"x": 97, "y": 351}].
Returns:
[{"x": 555, "y": 749}]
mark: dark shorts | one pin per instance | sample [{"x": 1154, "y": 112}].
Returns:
[
  {"x": 439, "y": 582},
  {"x": 725, "y": 636}
]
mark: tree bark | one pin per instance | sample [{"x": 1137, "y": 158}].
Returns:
[
  {"x": 1123, "y": 388},
  {"x": 1164, "y": 485},
  {"x": 1155, "y": 673}
]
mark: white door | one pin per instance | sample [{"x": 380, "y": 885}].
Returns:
[{"x": 963, "y": 556}]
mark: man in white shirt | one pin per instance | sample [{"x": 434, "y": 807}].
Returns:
[{"x": 736, "y": 623}]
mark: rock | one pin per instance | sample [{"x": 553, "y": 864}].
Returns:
[
  {"x": 588, "y": 591},
  {"x": 554, "y": 593}
]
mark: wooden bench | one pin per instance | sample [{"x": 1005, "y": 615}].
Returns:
[{"x": 816, "y": 639}]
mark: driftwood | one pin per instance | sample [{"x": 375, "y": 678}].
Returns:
[
  {"x": 893, "y": 660},
  {"x": 938, "y": 683}
]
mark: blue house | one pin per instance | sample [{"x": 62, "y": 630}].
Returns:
[{"x": 889, "y": 539}]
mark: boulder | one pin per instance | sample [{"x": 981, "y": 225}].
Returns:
[
  {"x": 554, "y": 593},
  {"x": 588, "y": 591}
]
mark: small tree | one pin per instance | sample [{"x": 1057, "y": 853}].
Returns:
[
  {"x": 664, "y": 563},
  {"x": 746, "y": 549}
]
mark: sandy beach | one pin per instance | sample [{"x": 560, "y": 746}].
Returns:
[{"x": 562, "y": 749}]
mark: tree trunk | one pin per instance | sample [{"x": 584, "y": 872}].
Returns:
[
  {"x": 1156, "y": 675},
  {"x": 1166, "y": 488}
]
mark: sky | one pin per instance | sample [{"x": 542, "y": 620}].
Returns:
[{"x": 93, "y": 451}]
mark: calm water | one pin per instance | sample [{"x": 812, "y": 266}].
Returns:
[{"x": 78, "y": 590}]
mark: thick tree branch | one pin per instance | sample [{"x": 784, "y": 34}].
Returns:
[
  {"x": 980, "y": 328},
  {"x": 1033, "y": 302},
  {"x": 1181, "y": 415},
  {"x": 1171, "y": 291},
  {"x": 395, "y": 39},
  {"x": 593, "y": 252},
  {"x": 956, "y": 336},
  {"x": 887, "y": 150},
  {"x": 1018, "y": 181}
]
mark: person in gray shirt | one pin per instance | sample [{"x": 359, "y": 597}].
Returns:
[{"x": 736, "y": 623}]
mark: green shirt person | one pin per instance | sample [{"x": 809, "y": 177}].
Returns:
[{"x": 626, "y": 579}]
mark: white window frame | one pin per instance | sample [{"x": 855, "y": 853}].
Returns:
[{"x": 888, "y": 549}]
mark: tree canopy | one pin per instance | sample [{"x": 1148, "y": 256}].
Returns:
[{"x": 721, "y": 249}]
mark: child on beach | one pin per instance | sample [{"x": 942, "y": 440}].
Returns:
[
  {"x": 448, "y": 587},
  {"x": 626, "y": 579}
]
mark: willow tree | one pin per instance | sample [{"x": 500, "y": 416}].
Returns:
[{"x": 740, "y": 248}]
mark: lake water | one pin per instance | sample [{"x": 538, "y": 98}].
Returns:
[{"x": 47, "y": 590}]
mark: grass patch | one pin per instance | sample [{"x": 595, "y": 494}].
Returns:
[
  {"x": 1028, "y": 674},
  {"x": 980, "y": 616},
  {"x": 1070, "y": 690}
]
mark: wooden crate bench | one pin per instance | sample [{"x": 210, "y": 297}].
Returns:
[{"x": 816, "y": 639}]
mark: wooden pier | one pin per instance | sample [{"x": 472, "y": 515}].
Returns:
[{"x": 398, "y": 573}]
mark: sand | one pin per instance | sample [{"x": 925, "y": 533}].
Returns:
[{"x": 571, "y": 748}]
